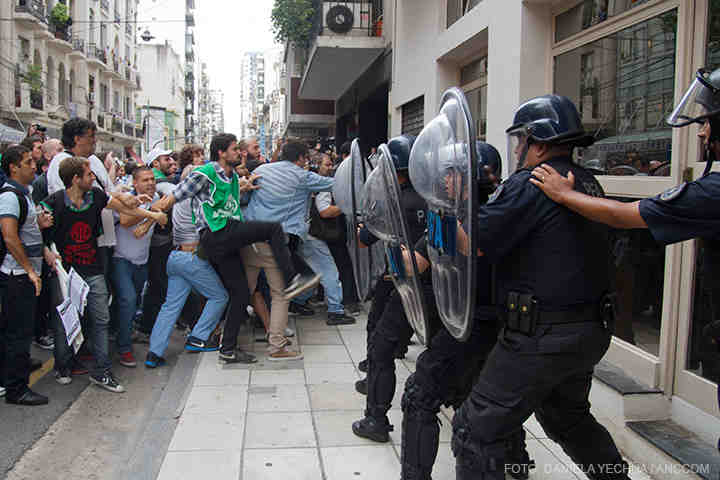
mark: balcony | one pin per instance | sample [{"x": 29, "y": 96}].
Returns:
[
  {"x": 137, "y": 81},
  {"x": 36, "y": 100},
  {"x": 117, "y": 16},
  {"x": 346, "y": 40},
  {"x": 127, "y": 74},
  {"x": 96, "y": 54},
  {"x": 61, "y": 37},
  {"x": 117, "y": 125},
  {"x": 105, "y": 4},
  {"x": 78, "y": 45},
  {"x": 31, "y": 12}
]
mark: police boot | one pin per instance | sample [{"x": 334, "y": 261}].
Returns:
[
  {"x": 420, "y": 432},
  {"x": 375, "y": 426},
  {"x": 517, "y": 459}
]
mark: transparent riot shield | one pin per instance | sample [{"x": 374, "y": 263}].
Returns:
[
  {"x": 368, "y": 263},
  {"x": 383, "y": 215},
  {"x": 442, "y": 170}
]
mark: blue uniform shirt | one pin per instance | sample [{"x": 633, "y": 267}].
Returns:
[
  {"x": 543, "y": 248},
  {"x": 687, "y": 211}
]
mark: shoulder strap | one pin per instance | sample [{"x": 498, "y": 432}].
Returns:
[{"x": 22, "y": 203}]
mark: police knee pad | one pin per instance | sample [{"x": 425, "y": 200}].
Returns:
[
  {"x": 419, "y": 401},
  {"x": 382, "y": 352}
]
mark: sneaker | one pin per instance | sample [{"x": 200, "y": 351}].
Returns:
[
  {"x": 140, "y": 337},
  {"x": 194, "y": 344},
  {"x": 354, "y": 309},
  {"x": 300, "y": 309},
  {"x": 289, "y": 332},
  {"x": 339, "y": 319},
  {"x": 153, "y": 361},
  {"x": 107, "y": 381},
  {"x": 45, "y": 342},
  {"x": 232, "y": 356},
  {"x": 78, "y": 368},
  {"x": 63, "y": 376},
  {"x": 300, "y": 283},
  {"x": 284, "y": 354},
  {"x": 361, "y": 386},
  {"x": 363, "y": 366},
  {"x": 2, "y": 391},
  {"x": 127, "y": 359},
  {"x": 27, "y": 398}
]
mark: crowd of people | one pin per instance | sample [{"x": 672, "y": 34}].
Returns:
[{"x": 183, "y": 239}]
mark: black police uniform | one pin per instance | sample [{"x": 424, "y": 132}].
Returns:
[
  {"x": 444, "y": 375},
  {"x": 555, "y": 275}
]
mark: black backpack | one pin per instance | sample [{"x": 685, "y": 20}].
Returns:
[{"x": 22, "y": 201}]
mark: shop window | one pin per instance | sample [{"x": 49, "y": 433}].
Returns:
[
  {"x": 636, "y": 275},
  {"x": 623, "y": 85},
  {"x": 588, "y": 13}
]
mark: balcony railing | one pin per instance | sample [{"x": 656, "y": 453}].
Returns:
[
  {"x": 34, "y": 7},
  {"x": 78, "y": 44},
  {"x": 105, "y": 4},
  {"x": 60, "y": 33},
  {"x": 128, "y": 29},
  {"x": 116, "y": 65},
  {"x": 101, "y": 120},
  {"x": 139, "y": 133},
  {"x": 128, "y": 130},
  {"x": 354, "y": 19},
  {"x": 117, "y": 125},
  {"x": 95, "y": 52},
  {"x": 127, "y": 73}
]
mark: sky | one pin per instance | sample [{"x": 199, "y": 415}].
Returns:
[{"x": 224, "y": 30}]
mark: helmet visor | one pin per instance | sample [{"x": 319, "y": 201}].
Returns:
[
  {"x": 517, "y": 148},
  {"x": 694, "y": 107}
]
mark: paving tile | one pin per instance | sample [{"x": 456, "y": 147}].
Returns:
[
  {"x": 358, "y": 351},
  {"x": 285, "y": 377},
  {"x": 193, "y": 465},
  {"x": 320, "y": 337},
  {"x": 360, "y": 324},
  {"x": 334, "y": 429},
  {"x": 335, "y": 396},
  {"x": 278, "y": 398},
  {"x": 395, "y": 417},
  {"x": 229, "y": 400},
  {"x": 282, "y": 464},
  {"x": 279, "y": 430},
  {"x": 360, "y": 463},
  {"x": 208, "y": 432},
  {"x": 444, "y": 468},
  {"x": 325, "y": 354},
  {"x": 532, "y": 426},
  {"x": 354, "y": 336},
  {"x": 314, "y": 323},
  {"x": 548, "y": 465},
  {"x": 211, "y": 373},
  {"x": 330, "y": 373}
]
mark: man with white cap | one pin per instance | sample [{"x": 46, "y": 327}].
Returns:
[{"x": 159, "y": 160}]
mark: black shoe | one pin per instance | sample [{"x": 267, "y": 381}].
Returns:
[
  {"x": 28, "y": 397},
  {"x": 400, "y": 353},
  {"x": 45, "y": 342},
  {"x": 361, "y": 386},
  {"x": 299, "y": 284},
  {"x": 339, "y": 319},
  {"x": 300, "y": 309},
  {"x": 35, "y": 364},
  {"x": 194, "y": 344},
  {"x": 372, "y": 429},
  {"x": 153, "y": 361},
  {"x": 363, "y": 366},
  {"x": 233, "y": 356}
]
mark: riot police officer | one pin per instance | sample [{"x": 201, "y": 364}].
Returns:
[
  {"x": 553, "y": 288},
  {"x": 683, "y": 212},
  {"x": 445, "y": 371}
]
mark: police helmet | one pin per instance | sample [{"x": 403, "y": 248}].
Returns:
[
  {"x": 700, "y": 102},
  {"x": 400, "y": 151},
  {"x": 490, "y": 157},
  {"x": 550, "y": 119}
]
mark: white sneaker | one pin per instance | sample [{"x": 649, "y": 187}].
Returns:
[
  {"x": 2, "y": 391},
  {"x": 289, "y": 332}
]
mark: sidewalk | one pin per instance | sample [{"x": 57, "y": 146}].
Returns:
[{"x": 291, "y": 420}]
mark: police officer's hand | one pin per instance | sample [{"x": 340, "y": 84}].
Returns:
[{"x": 552, "y": 183}]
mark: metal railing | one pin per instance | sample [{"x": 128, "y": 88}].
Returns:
[
  {"x": 95, "y": 52},
  {"x": 35, "y": 8},
  {"x": 128, "y": 29},
  {"x": 36, "y": 100},
  {"x": 354, "y": 19},
  {"x": 116, "y": 65},
  {"x": 78, "y": 44},
  {"x": 127, "y": 73},
  {"x": 101, "y": 120},
  {"x": 60, "y": 33},
  {"x": 117, "y": 125},
  {"x": 117, "y": 16}
]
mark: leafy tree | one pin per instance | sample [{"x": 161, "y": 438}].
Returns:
[{"x": 292, "y": 21}]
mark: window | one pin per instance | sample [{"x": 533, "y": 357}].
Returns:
[
  {"x": 103, "y": 98},
  {"x": 457, "y": 8},
  {"x": 623, "y": 85},
  {"x": 91, "y": 29},
  {"x": 588, "y": 13},
  {"x": 116, "y": 102},
  {"x": 473, "y": 78},
  {"x": 413, "y": 116}
]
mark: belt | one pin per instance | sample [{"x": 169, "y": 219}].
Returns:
[
  {"x": 586, "y": 313},
  {"x": 188, "y": 247}
]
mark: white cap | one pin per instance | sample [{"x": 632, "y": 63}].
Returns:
[{"x": 155, "y": 153}]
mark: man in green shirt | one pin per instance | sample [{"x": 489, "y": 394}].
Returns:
[{"x": 160, "y": 162}]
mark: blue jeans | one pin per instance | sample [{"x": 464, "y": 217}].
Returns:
[
  {"x": 317, "y": 254},
  {"x": 127, "y": 279},
  {"x": 185, "y": 272},
  {"x": 95, "y": 328}
]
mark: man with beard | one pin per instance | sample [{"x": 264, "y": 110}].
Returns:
[{"x": 223, "y": 232}]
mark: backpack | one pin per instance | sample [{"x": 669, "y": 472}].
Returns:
[{"x": 22, "y": 202}]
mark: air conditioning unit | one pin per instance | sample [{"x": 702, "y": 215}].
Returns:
[{"x": 347, "y": 19}]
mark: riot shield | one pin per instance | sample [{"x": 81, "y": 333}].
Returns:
[
  {"x": 383, "y": 215},
  {"x": 368, "y": 263},
  {"x": 442, "y": 170}
]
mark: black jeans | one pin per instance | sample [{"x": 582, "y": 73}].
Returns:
[
  {"x": 157, "y": 286},
  {"x": 223, "y": 251},
  {"x": 17, "y": 324}
]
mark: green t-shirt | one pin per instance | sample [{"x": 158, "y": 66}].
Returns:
[
  {"x": 224, "y": 199},
  {"x": 158, "y": 174}
]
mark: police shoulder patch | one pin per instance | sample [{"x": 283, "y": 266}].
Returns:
[
  {"x": 672, "y": 193},
  {"x": 495, "y": 194}
]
